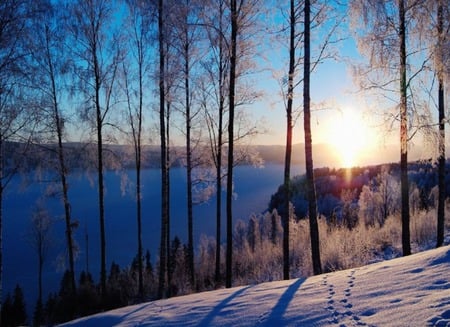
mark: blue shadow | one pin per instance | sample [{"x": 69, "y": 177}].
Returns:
[
  {"x": 276, "y": 316},
  {"x": 215, "y": 312}
]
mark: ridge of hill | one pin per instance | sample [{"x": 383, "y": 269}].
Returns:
[{"x": 407, "y": 291}]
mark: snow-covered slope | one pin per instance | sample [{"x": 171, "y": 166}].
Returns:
[{"x": 411, "y": 291}]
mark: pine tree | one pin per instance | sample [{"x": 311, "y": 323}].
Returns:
[
  {"x": 18, "y": 308},
  {"x": 38, "y": 315},
  {"x": 6, "y": 312}
]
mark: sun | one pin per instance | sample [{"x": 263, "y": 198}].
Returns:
[{"x": 350, "y": 137}]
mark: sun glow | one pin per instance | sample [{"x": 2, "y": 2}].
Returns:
[{"x": 350, "y": 137}]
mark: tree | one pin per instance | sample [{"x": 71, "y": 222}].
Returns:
[
  {"x": 406, "y": 238},
  {"x": 17, "y": 119},
  {"x": 216, "y": 68},
  {"x": 253, "y": 234},
  {"x": 289, "y": 127},
  {"x": 163, "y": 258},
  {"x": 138, "y": 32},
  {"x": 442, "y": 58},
  {"x": 19, "y": 307},
  {"x": 384, "y": 41},
  {"x": 215, "y": 93},
  {"x": 40, "y": 238},
  {"x": 324, "y": 12},
  {"x": 14, "y": 313},
  {"x": 311, "y": 190},
  {"x": 242, "y": 15},
  {"x": 186, "y": 29},
  {"x": 230, "y": 163},
  {"x": 49, "y": 61},
  {"x": 96, "y": 49}
]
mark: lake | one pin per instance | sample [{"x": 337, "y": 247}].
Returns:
[{"x": 253, "y": 187}]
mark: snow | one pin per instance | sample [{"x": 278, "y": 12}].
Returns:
[{"x": 409, "y": 291}]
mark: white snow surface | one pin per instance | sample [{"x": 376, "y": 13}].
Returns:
[{"x": 408, "y": 291}]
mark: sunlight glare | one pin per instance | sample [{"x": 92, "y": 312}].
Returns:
[{"x": 350, "y": 137}]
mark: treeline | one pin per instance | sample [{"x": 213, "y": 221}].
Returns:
[
  {"x": 80, "y": 156},
  {"x": 346, "y": 194}
]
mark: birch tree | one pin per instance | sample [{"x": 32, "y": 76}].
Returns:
[
  {"x": 243, "y": 38},
  {"x": 97, "y": 57},
  {"x": 289, "y": 126},
  {"x": 186, "y": 36},
  {"x": 231, "y": 104},
  {"x": 326, "y": 20},
  {"x": 16, "y": 117},
  {"x": 40, "y": 239},
  {"x": 49, "y": 65},
  {"x": 435, "y": 27},
  {"x": 311, "y": 191},
  {"x": 442, "y": 60},
  {"x": 382, "y": 31},
  {"x": 214, "y": 96},
  {"x": 163, "y": 250},
  {"x": 138, "y": 27}
]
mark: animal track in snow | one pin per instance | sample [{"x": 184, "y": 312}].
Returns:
[{"x": 341, "y": 309}]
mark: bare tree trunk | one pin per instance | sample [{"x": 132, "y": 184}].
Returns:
[
  {"x": 219, "y": 185},
  {"x": 101, "y": 196},
  {"x": 164, "y": 184},
  {"x": 404, "y": 133},
  {"x": 101, "y": 204},
  {"x": 62, "y": 166},
  {"x": 219, "y": 199},
  {"x": 139, "y": 221},
  {"x": 168, "y": 168},
  {"x": 229, "y": 256},
  {"x": 441, "y": 159},
  {"x": 138, "y": 179},
  {"x": 311, "y": 189},
  {"x": 288, "y": 154},
  {"x": 188, "y": 152},
  {"x": 219, "y": 148}
]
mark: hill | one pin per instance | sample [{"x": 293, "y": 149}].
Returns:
[{"x": 409, "y": 291}]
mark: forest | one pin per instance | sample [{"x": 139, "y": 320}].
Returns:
[{"x": 103, "y": 85}]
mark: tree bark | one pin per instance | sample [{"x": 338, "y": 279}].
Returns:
[
  {"x": 441, "y": 144},
  {"x": 138, "y": 180},
  {"x": 404, "y": 133},
  {"x": 311, "y": 190},
  {"x": 188, "y": 152},
  {"x": 288, "y": 154},
  {"x": 101, "y": 204},
  {"x": 164, "y": 184},
  {"x": 229, "y": 256},
  {"x": 219, "y": 150},
  {"x": 62, "y": 165}
]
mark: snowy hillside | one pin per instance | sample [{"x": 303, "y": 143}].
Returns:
[{"x": 412, "y": 291}]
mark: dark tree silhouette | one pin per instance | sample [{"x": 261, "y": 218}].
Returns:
[
  {"x": 289, "y": 127},
  {"x": 164, "y": 164},
  {"x": 311, "y": 189},
  {"x": 406, "y": 237},
  {"x": 230, "y": 163},
  {"x": 442, "y": 36}
]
